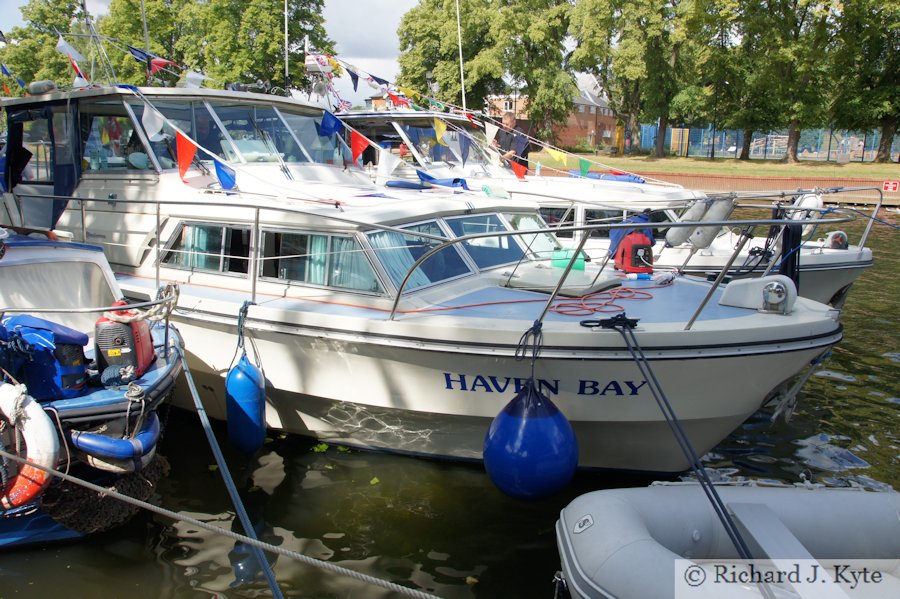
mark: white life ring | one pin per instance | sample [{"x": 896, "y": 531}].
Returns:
[{"x": 40, "y": 439}]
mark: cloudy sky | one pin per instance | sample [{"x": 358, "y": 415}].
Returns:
[{"x": 366, "y": 38}]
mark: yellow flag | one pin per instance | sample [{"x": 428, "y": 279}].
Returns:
[
  {"x": 557, "y": 155},
  {"x": 440, "y": 127},
  {"x": 334, "y": 64},
  {"x": 407, "y": 92}
]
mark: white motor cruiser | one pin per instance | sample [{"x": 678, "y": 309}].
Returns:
[
  {"x": 828, "y": 263},
  {"x": 387, "y": 318}
]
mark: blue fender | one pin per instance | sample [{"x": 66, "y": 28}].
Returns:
[
  {"x": 102, "y": 446},
  {"x": 245, "y": 406}
]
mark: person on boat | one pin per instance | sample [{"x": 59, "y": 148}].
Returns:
[{"x": 512, "y": 141}]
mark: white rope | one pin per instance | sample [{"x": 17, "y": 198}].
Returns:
[{"x": 167, "y": 295}]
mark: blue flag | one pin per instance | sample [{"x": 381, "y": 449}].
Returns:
[
  {"x": 380, "y": 81},
  {"x": 5, "y": 70},
  {"x": 465, "y": 142},
  {"x": 225, "y": 174},
  {"x": 354, "y": 78},
  {"x": 330, "y": 124},
  {"x": 139, "y": 55}
]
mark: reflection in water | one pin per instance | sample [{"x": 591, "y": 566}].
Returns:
[{"x": 442, "y": 527}]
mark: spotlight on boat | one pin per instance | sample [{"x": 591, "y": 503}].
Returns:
[
  {"x": 530, "y": 450},
  {"x": 245, "y": 406},
  {"x": 774, "y": 298}
]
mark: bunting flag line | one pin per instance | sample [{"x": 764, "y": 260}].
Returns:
[
  {"x": 557, "y": 155},
  {"x": 354, "y": 78},
  {"x": 186, "y": 150},
  {"x": 490, "y": 131},
  {"x": 225, "y": 174},
  {"x": 519, "y": 169},
  {"x": 63, "y": 47},
  {"x": 380, "y": 81},
  {"x": 440, "y": 129},
  {"x": 330, "y": 125},
  {"x": 465, "y": 142},
  {"x": 358, "y": 144}
]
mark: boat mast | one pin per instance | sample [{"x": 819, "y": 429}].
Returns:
[
  {"x": 144, "y": 21},
  {"x": 286, "y": 75},
  {"x": 462, "y": 80}
]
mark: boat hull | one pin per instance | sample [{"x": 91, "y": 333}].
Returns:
[{"x": 439, "y": 401}]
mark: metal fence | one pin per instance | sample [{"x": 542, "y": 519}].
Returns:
[{"x": 815, "y": 144}]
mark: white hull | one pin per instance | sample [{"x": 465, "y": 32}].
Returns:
[{"x": 422, "y": 398}]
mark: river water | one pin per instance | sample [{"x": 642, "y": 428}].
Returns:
[{"x": 442, "y": 527}]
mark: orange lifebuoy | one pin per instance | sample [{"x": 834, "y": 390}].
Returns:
[{"x": 40, "y": 439}]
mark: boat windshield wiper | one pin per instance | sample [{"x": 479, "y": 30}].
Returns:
[{"x": 270, "y": 146}]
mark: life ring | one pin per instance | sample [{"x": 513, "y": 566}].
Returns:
[{"x": 40, "y": 439}]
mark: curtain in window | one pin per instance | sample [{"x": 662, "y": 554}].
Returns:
[
  {"x": 394, "y": 254},
  {"x": 350, "y": 269},
  {"x": 318, "y": 259}
]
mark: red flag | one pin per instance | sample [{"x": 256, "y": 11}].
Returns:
[
  {"x": 518, "y": 169},
  {"x": 397, "y": 100},
  {"x": 6, "y": 89},
  {"x": 186, "y": 150},
  {"x": 615, "y": 171},
  {"x": 159, "y": 63},
  {"x": 358, "y": 143},
  {"x": 472, "y": 120},
  {"x": 76, "y": 69}
]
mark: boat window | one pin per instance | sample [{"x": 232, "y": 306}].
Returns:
[
  {"x": 487, "y": 252},
  {"x": 541, "y": 245},
  {"x": 258, "y": 133},
  {"x": 325, "y": 149},
  {"x": 426, "y": 142},
  {"x": 109, "y": 138},
  {"x": 312, "y": 259},
  {"x": 162, "y": 142},
  {"x": 398, "y": 252},
  {"x": 210, "y": 247},
  {"x": 659, "y": 216},
  {"x": 559, "y": 217},
  {"x": 40, "y": 285},
  {"x": 36, "y": 142},
  {"x": 596, "y": 217}
]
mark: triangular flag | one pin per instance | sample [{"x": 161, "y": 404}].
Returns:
[
  {"x": 63, "y": 47},
  {"x": 387, "y": 162},
  {"x": 6, "y": 89},
  {"x": 406, "y": 91},
  {"x": 78, "y": 73},
  {"x": 440, "y": 128},
  {"x": 153, "y": 122},
  {"x": 354, "y": 78},
  {"x": 194, "y": 79},
  {"x": 379, "y": 80},
  {"x": 372, "y": 83},
  {"x": 5, "y": 70},
  {"x": 558, "y": 155},
  {"x": 330, "y": 125},
  {"x": 471, "y": 119},
  {"x": 157, "y": 64},
  {"x": 437, "y": 105},
  {"x": 3, "y": 38},
  {"x": 358, "y": 143},
  {"x": 186, "y": 149},
  {"x": 519, "y": 169},
  {"x": 138, "y": 54},
  {"x": 225, "y": 174},
  {"x": 584, "y": 166},
  {"x": 334, "y": 64},
  {"x": 616, "y": 171},
  {"x": 465, "y": 142},
  {"x": 490, "y": 132}
]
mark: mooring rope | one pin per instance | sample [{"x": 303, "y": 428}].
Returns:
[
  {"x": 310, "y": 561},
  {"x": 625, "y": 326}
]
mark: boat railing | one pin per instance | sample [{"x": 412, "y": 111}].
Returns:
[{"x": 258, "y": 203}]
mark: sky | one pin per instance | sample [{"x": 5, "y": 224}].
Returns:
[{"x": 364, "y": 32}]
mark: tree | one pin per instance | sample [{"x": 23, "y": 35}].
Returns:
[
  {"x": 866, "y": 70},
  {"x": 504, "y": 41},
  {"x": 31, "y": 50}
]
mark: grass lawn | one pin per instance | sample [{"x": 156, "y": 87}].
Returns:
[{"x": 724, "y": 166}]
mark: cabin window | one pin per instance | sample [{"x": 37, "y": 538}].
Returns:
[
  {"x": 559, "y": 217},
  {"x": 258, "y": 133},
  {"x": 541, "y": 245},
  {"x": 312, "y": 259},
  {"x": 486, "y": 251},
  {"x": 110, "y": 141},
  {"x": 36, "y": 140},
  {"x": 210, "y": 247},
  {"x": 324, "y": 149},
  {"x": 596, "y": 217},
  {"x": 399, "y": 251}
]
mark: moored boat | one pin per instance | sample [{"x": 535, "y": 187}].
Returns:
[
  {"x": 84, "y": 403},
  {"x": 392, "y": 319}
]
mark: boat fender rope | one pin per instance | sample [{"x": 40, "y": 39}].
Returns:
[{"x": 531, "y": 340}]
